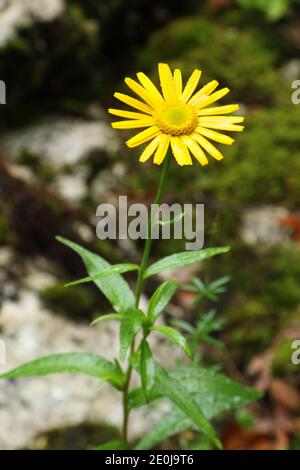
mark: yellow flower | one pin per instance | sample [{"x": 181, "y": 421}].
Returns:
[{"x": 177, "y": 117}]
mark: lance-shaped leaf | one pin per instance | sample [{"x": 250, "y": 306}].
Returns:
[
  {"x": 147, "y": 370},
  {"x": 114, "y": 287},
  {"x": 108, "y": 316},
  {"x": 131, "y": 323},
  {"x": 214, "y": 392},
  {"x": 115, "y": 269},
  {"x": 160, "y": 299},
  {"x": 81, "y": 363},
  {"x": 175, "y": 337},
  {"x": 171, "y": 221},
  {"x": 183, "y": 259},
  {"x": 178, "y": 393},
  {"x": 111, "y": 445}
]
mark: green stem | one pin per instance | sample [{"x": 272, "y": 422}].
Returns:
[
  {"x": 146, "y": 254},
  {"x": 139, "y": 286}
]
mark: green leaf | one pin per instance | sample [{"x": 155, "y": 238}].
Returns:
[
  {"x": 87, "y": 364},
  {"x": 111, "y": 445},
  {"x": 171, "y": 221},
  {"x": 175, "y": 337},
  {"x": 214, "y": 392},
  {"x": 114, "y": 287},
  {"x": 179, "y": 394},
  {"x": 184, "y": 325},
  {"x": 136, "y": 397},
  {"x": 182, "y": 259},
  {"x": 160, "y": 299},
  {"x": 168, "y": 426},
  {"x": 131, "y": 323},
  {"x": 108, "y": 316},
  {"x": 147, "y": 370},
  {"x": 115, "y": 269},
  {"x": 276, "y": 9}
]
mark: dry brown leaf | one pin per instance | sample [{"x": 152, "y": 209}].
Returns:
[{"x": 285, "y": 394}]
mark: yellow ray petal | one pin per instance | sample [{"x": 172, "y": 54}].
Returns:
[
  {"x": 133, "y": 124},
  {"x": 222, "y": 126},
  {"x": 180, "y": 152},
  {"x": 149, "y": 86},
  {"x": 203, "y": 102},
  {"x": 127, "y": 114},
  {"x": 210, "y": 148},
  {"x": 216, "y": 136},
  {"x": 178, "y": 83},
  {"x": 150, "y": 149},
  {"x": 203, "y": 93},
  {"x": 191, "y": 85},
  {"x": 162, "y": 149},
  {"x": 230, "y": 108},
  {"x": 134, "y": 103},
  {"x": 225, "y": 119},
  {"x": 167, "y": 82},
  {"x": 195, "y": 149},
  {"x": 143, "y": 136},
  {"x": 141, "y": 92}
]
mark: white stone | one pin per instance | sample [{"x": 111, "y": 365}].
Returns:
[
  {"x": 60, "y": 142},
  {"x": 261, "y": 225},
  {"x": 22, "y": 13},
  {"x": 30, "y": 406},
  {"x": 72, "y": 187}
]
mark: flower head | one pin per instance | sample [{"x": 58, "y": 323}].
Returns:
[{"x": 177, "y": 117}]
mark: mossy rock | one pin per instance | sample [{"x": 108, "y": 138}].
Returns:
[
  {"x": 241, "y": 58},
  {"x": 7, "y": 235},
  {"x": 282, "y": 364},
  {"x": 265, "y": 294},
  {"x": 43, "y": 170},
  {"x": 265, "y": 158},
  {"x": 77, "y": 303},
  {"x": 261, "y": 167},
  {"x": 86, "y": 436}
]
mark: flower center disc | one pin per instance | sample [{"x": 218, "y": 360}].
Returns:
[{"x": 176, "y": 119}]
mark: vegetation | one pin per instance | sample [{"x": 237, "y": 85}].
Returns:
[{"x": 69, "y": 67}]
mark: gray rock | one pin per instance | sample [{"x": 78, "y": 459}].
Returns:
[
  {"x": 261, "y": 225},
  {"x": 291, "y": 70},
  {"x": 64, "y": 145},
  {"x": 60, "y": 142},
  {"x": 23, "y": 13},
  {"x": 31, "y": 406}
]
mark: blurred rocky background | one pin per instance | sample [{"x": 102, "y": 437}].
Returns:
[{"x": 61, "y": 61}]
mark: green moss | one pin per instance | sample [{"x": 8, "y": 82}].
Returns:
[
  {"x": 7, "y": 235},
  {"x": 282, "y": 359},
  {"x": 250, "y": 67},
  {"x": 83, "y": 437},
  {"x": 261, "y": 167},
  {"x": 44, "y": 172},
  {"x": 247, "y": 339},
  {"x": 264, "y": 295},
  {"x": 74, "y": 302},
  {"x": 265, "y": 158}
]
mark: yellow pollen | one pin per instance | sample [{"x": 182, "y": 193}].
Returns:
[{"x": 176, "y": 119}]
